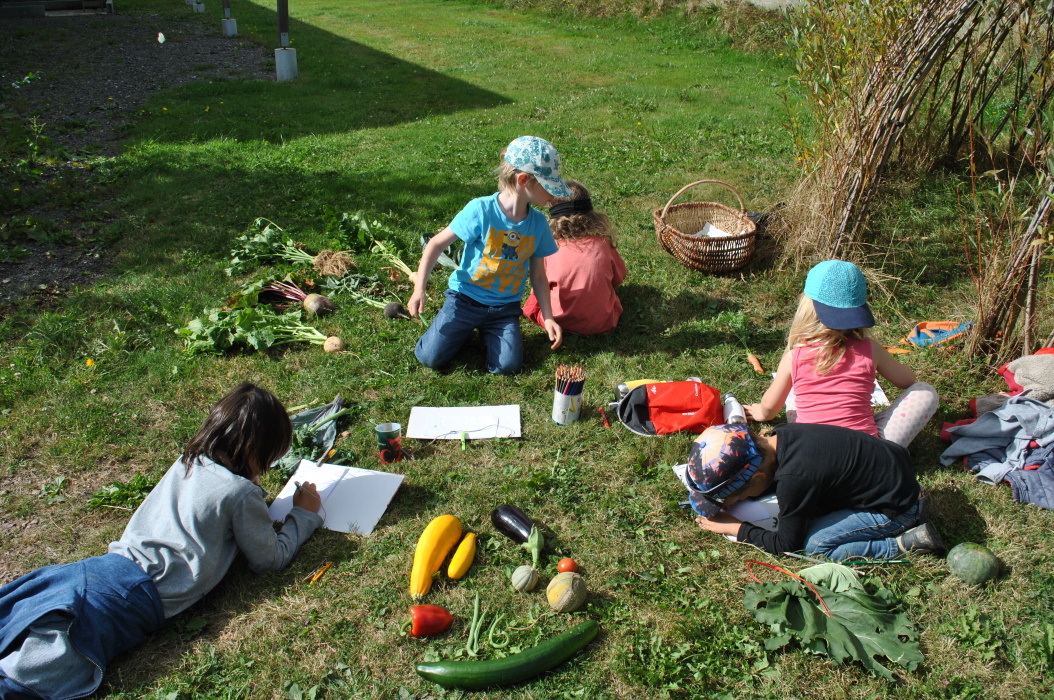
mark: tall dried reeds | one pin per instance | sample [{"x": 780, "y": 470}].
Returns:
[
  {"x": 1005, "y": 270},
  {"x": 907, "y": 83}
]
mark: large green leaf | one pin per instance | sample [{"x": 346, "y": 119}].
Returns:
[{"x": 863, "y": 626}]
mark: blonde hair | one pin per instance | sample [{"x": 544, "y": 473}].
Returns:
[
  {"x": 582, "y": 225},
  {"x": 506, "y": 174},
  {"x": 806, "y": 329}
]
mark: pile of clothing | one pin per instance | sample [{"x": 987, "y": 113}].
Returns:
[{"x": 1012, "y": 436}]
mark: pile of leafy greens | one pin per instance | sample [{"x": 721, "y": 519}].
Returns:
[
  {"x": 863, "y": 625},
  {"x": 256, "y": 327}
]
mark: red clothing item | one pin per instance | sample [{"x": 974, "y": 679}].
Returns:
[{"x": 582, "y": 276}]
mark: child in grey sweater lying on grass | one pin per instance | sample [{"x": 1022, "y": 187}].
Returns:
[{"x": 61, "y": 625}]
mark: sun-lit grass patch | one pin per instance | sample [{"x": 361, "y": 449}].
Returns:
[{"x": 400, "y": 111}]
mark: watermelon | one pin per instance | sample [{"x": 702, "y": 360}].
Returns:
[{"x": 973, "y": 563}]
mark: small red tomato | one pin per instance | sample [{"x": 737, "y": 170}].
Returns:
[{"x": 567, "y": 564}]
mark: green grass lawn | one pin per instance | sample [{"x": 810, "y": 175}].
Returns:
[{"x": 400, "y": 111}]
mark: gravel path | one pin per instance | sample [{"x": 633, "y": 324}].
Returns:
[
  {"x": 91, "y": 74},
  {"x": 94, "y": 72}
]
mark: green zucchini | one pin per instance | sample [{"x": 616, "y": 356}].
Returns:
[{"x": 475, "y": 675}]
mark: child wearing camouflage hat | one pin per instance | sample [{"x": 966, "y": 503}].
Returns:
[{"x": 842, "y": 493}]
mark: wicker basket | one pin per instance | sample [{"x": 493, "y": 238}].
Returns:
[{"x": 677, "y": 226}]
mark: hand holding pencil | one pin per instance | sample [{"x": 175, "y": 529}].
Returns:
[{"x": 306, "y": 497}]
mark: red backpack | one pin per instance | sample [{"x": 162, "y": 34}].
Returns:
[{"x": 670, "y": 407}]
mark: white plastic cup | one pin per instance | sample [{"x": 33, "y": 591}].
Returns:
[{"x": 566, "y": 407}]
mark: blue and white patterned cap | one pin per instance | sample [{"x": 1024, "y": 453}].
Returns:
[{"x": 539, "y": 158}]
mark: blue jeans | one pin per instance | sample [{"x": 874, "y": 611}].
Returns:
[
  {"x": 855, "y": 533},
  {"x": 499, "y": 327}
]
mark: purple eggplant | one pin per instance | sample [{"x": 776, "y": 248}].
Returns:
[{"x": 512, "y": 521}]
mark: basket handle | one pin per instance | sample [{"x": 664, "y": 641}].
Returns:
[{"x": 742, "y": 207}]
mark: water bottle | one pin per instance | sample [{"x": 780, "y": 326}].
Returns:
[{"x": 733, "y": 410}]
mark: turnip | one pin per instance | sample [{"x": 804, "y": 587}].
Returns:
[
  {"x": 333, "y": 344},
  {"x": 318, "y": 304},
  {"x": 257, "y": 327},
  {"x": 272, "y": 245},
  {"x": 395, "y": 310},
  {"x": 388, "y": 253}
]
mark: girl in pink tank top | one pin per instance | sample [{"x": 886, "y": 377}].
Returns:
[{"x": 831, "y": 363}]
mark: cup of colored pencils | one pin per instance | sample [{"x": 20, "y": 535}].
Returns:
[{"x": 567, "y": 397}]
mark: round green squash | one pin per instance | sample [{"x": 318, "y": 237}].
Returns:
[
  {"x": 524, "y": 578},
  {"x": 973, "y": 563}
]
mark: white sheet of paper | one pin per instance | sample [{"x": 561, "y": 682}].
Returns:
[
  {"x": 758, "y": 511},
  {"x": 448, "y": 422},
  {"x": 353, "y": 499}
]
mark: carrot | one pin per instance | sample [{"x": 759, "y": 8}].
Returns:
[{"x": 755, "y": 363}]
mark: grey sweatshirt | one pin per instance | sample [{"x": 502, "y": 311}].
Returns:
[{"x": 187, "y": 532}]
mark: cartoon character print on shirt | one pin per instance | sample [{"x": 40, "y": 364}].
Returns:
[
  {"x": 503, "y": 265},
  {"x": 509, "y": 245}
]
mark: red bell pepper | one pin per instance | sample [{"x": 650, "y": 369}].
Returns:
[{"x": 428, "y": 620}]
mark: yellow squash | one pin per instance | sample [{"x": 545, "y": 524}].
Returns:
[
  {"x": 435, "y": 543},
  {"x": 462, "y": 559}
]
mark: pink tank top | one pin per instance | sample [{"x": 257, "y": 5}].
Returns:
[{"x": 840, "y": 397}]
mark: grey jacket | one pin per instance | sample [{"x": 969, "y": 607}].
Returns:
[
  {"x": 187, "y": 532},
  {"x": 1001, "y": 438}
]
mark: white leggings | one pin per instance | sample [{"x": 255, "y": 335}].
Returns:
[{"x": 905, "y": 418}]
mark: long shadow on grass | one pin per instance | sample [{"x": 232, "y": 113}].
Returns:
[
  {"x": 342, "y": 86},
  {"x": 278, "y": 194},
  {"x": 955, "y": 517}
]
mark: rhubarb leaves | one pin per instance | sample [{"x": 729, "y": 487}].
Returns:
[{"x": 863, "y": 626}]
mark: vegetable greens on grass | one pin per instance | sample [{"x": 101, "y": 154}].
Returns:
[
  {"x": 314, "y": 432},
  {"x": 862, "y": 625},
  {"x": 256, "y": 327},
  {"x": 265, "y": 247}
]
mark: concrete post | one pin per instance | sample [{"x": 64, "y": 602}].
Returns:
[{"x": 285, "y": 64}]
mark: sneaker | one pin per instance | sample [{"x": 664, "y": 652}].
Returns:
[{"x": 923, "y": 539}]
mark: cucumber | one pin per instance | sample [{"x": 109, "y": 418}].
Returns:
[{"x": 475, "y": 675}]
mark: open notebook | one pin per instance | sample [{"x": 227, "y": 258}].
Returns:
[{"x": 353, "y": 499}]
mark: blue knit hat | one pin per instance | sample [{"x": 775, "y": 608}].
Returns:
[
  {"x": 539, "y": 158},
  {"x": 722, "y": 460},
  {"x": 839, "y": 294}
]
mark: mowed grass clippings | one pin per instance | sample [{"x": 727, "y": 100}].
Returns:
[{"x": 400, "y": 110}]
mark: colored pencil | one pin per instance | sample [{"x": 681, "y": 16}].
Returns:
[{"x": 569, "y": 380}]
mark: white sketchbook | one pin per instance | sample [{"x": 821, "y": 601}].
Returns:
[
  {"x": 353, "y": 499},
  {"x": 476, "y": 422}
]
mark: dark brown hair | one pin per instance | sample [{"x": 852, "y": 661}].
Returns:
[{"x": 247, "y": 431}]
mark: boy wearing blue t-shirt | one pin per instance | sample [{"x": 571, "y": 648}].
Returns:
[{"x": 505, "y": 240}]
